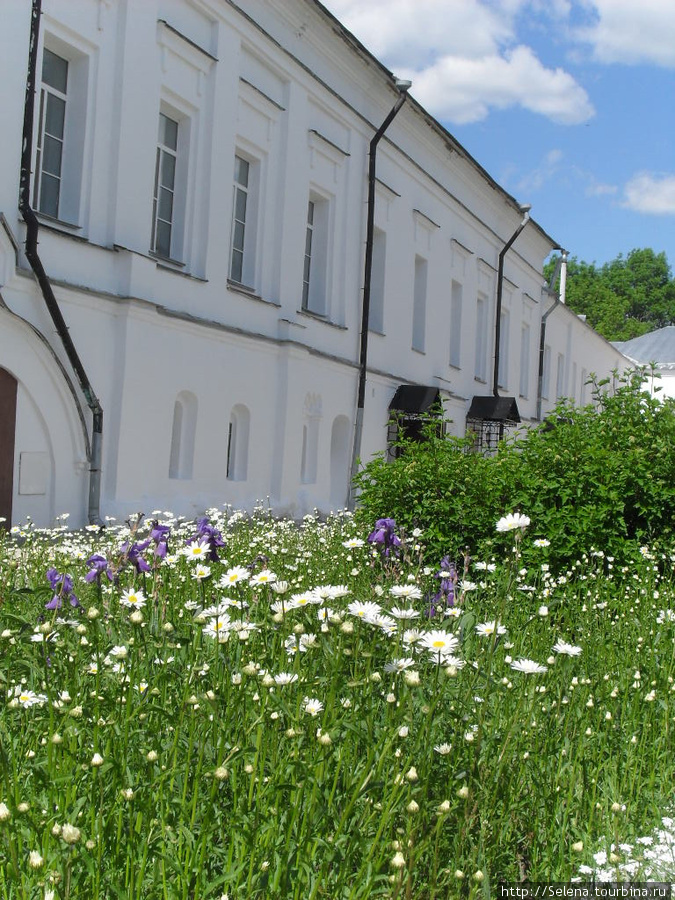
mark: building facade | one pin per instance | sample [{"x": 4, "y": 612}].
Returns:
[{"x": 198, "y": 169}]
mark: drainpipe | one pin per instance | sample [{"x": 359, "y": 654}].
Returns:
[
  {"x": 403, "y": 87},
  {"x": 559, "y": 297},
  {"x": 32, "y": 227},
  {"x": 500, "y": 279}
]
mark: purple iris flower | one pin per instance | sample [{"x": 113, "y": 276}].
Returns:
[
  {"x": 132, "y": 553},
  {"x": 448, "y": 577},
  {"x": 62, "y": 585},
  {"x": 385, "y": 535},
  {"x": 160, "y": 535},
  {"x": 209, "y": 534},
  {"x": 98, "y": 567}
]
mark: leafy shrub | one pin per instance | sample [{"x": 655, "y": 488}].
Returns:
[{"x": 595, "y": 476}]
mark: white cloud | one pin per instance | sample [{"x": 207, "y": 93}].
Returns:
[
  {"x": 650, "y": 193},
  {"x": 464, "y": 90},
  {"x": 627, "y": 31},
  {"x": 463, "y": 57},
  {"x": 548, "y": 168}
]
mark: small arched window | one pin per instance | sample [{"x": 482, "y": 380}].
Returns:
[
  {"x": 183, "y": 430},
  {"x": 237, "y": 443}
]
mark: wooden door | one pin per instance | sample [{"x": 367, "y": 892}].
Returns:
[{"x": 8, "y": 387}]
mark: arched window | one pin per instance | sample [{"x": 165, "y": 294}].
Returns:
[
  {"x": 183, "y": 430},
  {"x": 237, "y": 443}
]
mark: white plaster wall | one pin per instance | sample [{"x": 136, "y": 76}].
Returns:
[{"x": 302, "y": 103}]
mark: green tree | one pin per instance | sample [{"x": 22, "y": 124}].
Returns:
[{"x": 625, "y": 297}]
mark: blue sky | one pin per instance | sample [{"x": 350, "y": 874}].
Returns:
[{"x": 568, "y": 104}]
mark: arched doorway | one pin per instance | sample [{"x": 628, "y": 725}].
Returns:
[{"x": 8, "y": 391}]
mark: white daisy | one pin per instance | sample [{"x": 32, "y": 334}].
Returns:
[
  {"x": 405, "y": 592},
  {"x": 196, "y": 550},
  {"x": 219, "y": 628},
  {"x": 443, "y": 749},
  {"x": 512, "y": 522},
  {"x": 312, "y": 706},
  {"x": 529, "y": 667},
  {"x": 439, "y": 642},
  {"x": 234, "y": 576},
  {"x": 285, "y": 678},
  {"x": 399, "y": 665},
  {"x": 364, "y": 610},
  {"x": 263, "y": 577},
  {"x": 399, "y": 613},
  {"x": 485, "y": 629},
  {"x": 132, "y": 598},
  {"x": 353, "y": 543},
  {"x": 566, "y": 649}
]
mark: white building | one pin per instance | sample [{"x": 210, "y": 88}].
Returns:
[{"x": 199, "y": 172}]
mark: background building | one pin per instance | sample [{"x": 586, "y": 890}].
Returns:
[{"x": 199, "y": 172}]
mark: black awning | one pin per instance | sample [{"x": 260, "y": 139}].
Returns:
[
  {"x": 414, "y": 399},
  {"x": 494, "y": 409}
]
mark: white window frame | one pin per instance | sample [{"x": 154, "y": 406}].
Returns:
[
  {"x": 179, "y": 154},
  {"x": 419, "y": 320},
  {"x": 315, "y": 270},
  {"x": 546, "y": 373},
  {"x": 504, "y": 347},
  {"x": 524, "y": 387},
  {"x": 73, "y": 152},
  {"x": 456, "y": 302},
  {"x": 378, "y": 282},
  {"x": 482, "y": 324},
  {"x": 560, "y": 377},
  {"x": 244, "y": 273}
]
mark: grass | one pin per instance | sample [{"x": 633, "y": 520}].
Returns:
[{"x": 185, "y": 733}]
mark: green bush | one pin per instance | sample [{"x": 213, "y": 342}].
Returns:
[{"x": 595, "y": 476}]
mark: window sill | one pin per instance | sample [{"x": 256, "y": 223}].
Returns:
[
  {"x": 479, "y": 379},
  {"x": 455, "y": 367},
  {"x": 58, "y": 226},
  {"x": 166, "y": 261},
  {"x": 238, "y": 288},
  {"x": 377, "y": 332},
  {"x": 417, "y": 350},
  {"x": 318, "y": 317}
]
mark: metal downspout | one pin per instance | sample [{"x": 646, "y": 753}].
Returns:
[
  {"x": 500, "y": 279},
  {"x": 403, "y": 87},
  {"x": 32, "y": 227},
  {"x": 561, "y": 269}
]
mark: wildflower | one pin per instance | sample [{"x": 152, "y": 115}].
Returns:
[
  {"x": 463, "y": 792},
  {"x": 234, "y": 576},
  {"x": 486, "y": 629},
  {"x": 25, "y": 698},
  {"x": 151, "y": 756},
  {"x": 201, "y": 572},
  {"x": 132, "y": 599},
  {"x": 221, "y": 773},
  {"x": 366, "y": 610},
  {"x": 413, "y": 807},
  {"x": 312, "y": 706},
  {"x": 35, "y": 860},
  {"x": 209, "y": 536},
  {"x": 443, "y": 749},
  {"x": 512, "y": 522},
  {"x": 411, "y": 774},
  {"x": 62, "y": 585},
  {"x": 412, "y": 678},
  {"x": 443, "y": 807},
  {"x": 399, "y": 665},
  {"x": 478, "y": 876},
  {"x": 98, "y": 567},
  {"x": 323, "y": 738},
  {"x": 541, "y": 542},
  {"x": 196, "y": 550},
  {"x": 384, "y": 534},
  {"x": 132, "y": 553},
  {"x": 528, "y": 666},
  {"x": 398, "y": 613},
  {"x": 4, "y": 812},
  {"x": 127, "y": 794},
  {"x": 353, "y": 543},
  {"x": 70, "y": 834},
  {"x": 96, "y": 760},
  {"x": 263, "y": 577},
  {"x": 285, "y": 678},
  {"x": 405, "y": 592},
  {"x": 439, "y": 642},
  {"x": 398, "y": 860},
  {"x": 566, "y": 649}
]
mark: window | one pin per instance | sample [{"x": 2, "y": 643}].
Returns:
[
  {"x": 183, "y": 430},
  {"x": 51, "y": 134},
  {"x": 376, "y": 317},
  {"x": 524, "y": 360},
  {"x": 419, "y": 305},
  {"x": 503, "y": 373},
  {"x": 560, "y": 377},
  {"x": 237, "y": 443},
  {"x": 314, "y": 272},
  {"x": 480, "y": 369},
  {"x": 456, "y": 325},
  {"x": 546, "y": 374},
  {"x": 244, "y": 214},
  {"x": 163, "y": 210}
]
